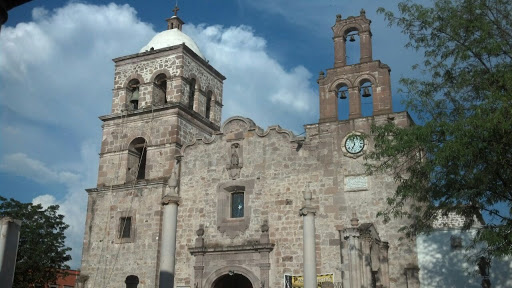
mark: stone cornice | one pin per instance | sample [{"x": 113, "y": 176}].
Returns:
[
  {"x": 127, "y": 186},
  {"x": 149, "y": 112},
  {"x": 267, "y": 247},
  {"x": 184, "y": 47}
]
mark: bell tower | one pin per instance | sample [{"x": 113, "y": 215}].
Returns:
[
  {"x": 348, "y": 84},
  {"x": 163, "y": 97}
]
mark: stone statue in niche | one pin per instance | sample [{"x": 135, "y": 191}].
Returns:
[
  {"x": 235, "y": 160},
  {"x": 235, "y": 163}
]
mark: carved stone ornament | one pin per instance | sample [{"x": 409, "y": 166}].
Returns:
[
  {"x": 167, "y": 199},
  {"x": 264, "y": 227},
  {"x": 235, "y": 163},
  {"x": 200, "y": 231}
]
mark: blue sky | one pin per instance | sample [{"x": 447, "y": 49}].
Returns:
[{"x": 56, "y": 77}]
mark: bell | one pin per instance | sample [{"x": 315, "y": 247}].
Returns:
[
  {"x": 343, "y": 95},
  {"x": 366, "y": 92},
  {"x": 352, "y": 39},
  {"x": 135, "y": 94}
]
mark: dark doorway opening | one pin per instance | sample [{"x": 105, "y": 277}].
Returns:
[{"x": 232, "y": 280}]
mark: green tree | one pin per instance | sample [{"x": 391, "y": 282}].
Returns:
[
  {"x": 41, "y": 249},
  {"x": 459, "y": 157}
]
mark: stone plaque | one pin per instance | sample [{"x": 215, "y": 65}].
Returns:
[{"x": 354, "y": 183}]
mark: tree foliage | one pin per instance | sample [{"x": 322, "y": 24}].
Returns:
[
  {"x": 41, "y": 249},
  {"x": 459, "y": 158}
]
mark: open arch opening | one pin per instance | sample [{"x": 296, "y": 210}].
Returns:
[
  {"x": 191, "y": 94},
  {"x": 208, "y": 109},
  {"x": 137, "y": 159},
  {"x": 352, "y": 46},
  {"x": 343, "y": 101},
  {"x": 232, "y": 280},
  {"x": 366, "y": 92},
  {"x": 133, "y": 93},
  {"x": 160, "y": 95}
]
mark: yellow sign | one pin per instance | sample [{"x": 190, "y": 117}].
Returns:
[{"x": 298, "y": 281}]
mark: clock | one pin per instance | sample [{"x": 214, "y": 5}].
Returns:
[{"x": 354, "y": 144}]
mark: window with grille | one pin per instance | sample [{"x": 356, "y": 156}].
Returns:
[
  {"x": 237, "y": 205},
  {"x": 125, "y": 227}
]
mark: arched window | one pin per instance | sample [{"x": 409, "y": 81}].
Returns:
[
  {"x": 134, "y": 93},
  {"x": 137, "y": 159},
  {"x": 131, "y": 281},
  {"x": 191, "y": 93},
  {"x": 343, "y": 102},
  {"x": 366, "y": 92},
  {"x": 208, "y": 103},
  {"x": 160, "y": 95},
  {"x": 353, "y": 47}
]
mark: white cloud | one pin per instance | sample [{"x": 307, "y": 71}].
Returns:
[
  {"x": 22, "y": 165},
  {"x": 59, "y": 65},
  {"x": 45, "y": 200},
  {"x": 57, "y": 75},
  {"x": 257, "y": 85}
]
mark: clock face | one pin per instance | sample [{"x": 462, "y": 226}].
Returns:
[{"x": 354, "y": 144}]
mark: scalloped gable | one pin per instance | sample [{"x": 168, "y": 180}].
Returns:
[{"x": 238, "y": 128}]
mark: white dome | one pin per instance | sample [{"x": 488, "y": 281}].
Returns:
[{"x": 169, "y": 38}]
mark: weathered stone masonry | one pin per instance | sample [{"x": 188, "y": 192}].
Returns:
[{"x": 240, "y": 196}]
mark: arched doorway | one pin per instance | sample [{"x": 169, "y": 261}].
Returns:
[{"x": 232, "y": 280}]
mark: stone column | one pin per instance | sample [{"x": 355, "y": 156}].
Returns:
[
  {"x": 365, "y": 40},
  {"x": 264, "y": 256},
  {"x": 367, "y": 268},
  {"x": 351, "y": 236},
  {"x": 384, "y": 263},
  {"x": 168, "y": 241},
  {"x": 354, "y": 104},
  {"x": 340, "y": 56},
  {"x": 9, "y": 238},
  {"x": 309, "y": 254},
  {"x": 199, "y": 264}
]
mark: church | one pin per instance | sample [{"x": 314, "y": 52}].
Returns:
[{"x": 186, "y": 200}]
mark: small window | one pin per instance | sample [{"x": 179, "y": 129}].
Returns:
[
  {"x": 125, "y": 227},
  {"x": 237, "y": 205}
]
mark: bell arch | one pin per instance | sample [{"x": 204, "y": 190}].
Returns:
[
  {"x": 136, "y": 162},
  {"x": 366, "y": 86},
  {"x": 133, "y": 93},
  {"x": 341, "y": 91},
  {"x": 341, "y": 30},
  {"x": 160, "y": 89}
]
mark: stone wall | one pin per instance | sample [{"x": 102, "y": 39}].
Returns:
[
  {"x": 179, "y": 67},
  {"x": 109, "y": 261},
  {"x": 282, "y": 167},
  {"x": 164, "y": 131}
]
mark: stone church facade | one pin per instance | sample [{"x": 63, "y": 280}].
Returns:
[{"x": 183, "y": 198}]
